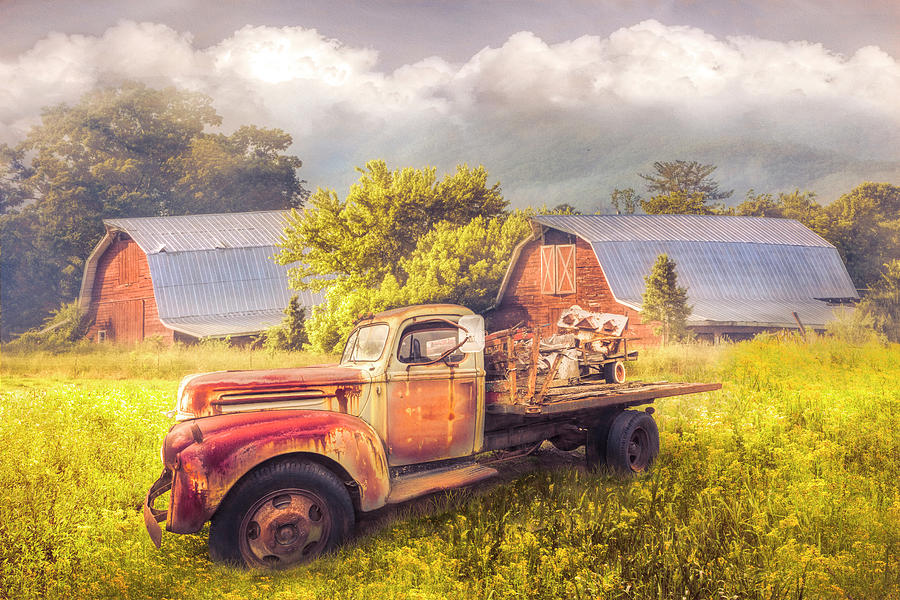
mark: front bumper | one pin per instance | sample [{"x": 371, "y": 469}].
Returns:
[{"x": 154, "y": 516}]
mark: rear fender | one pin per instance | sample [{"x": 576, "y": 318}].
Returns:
[{"x": 227, "y": 447}]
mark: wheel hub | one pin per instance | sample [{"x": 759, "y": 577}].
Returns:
[{"x": 283, "y": 528}]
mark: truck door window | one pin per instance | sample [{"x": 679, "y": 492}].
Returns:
[
  {"x": 425, "y": 342},
  {"x": 365, "y": 344}
]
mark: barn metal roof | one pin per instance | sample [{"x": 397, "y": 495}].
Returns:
[
  {"x": 203, "y": 232},
  {"x": 213, "y": 275},
  {"x": 736, "y": 269}
]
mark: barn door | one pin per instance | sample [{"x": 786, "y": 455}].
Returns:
[
  {"x": 558, "y": 269},
  {"x": 548, "y": 269},
  {"x": 127, "y": 321},
  {"x": 565, "y": 269}
]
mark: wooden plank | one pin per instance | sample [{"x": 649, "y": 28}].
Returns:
[
  {"x": 550, "y": 377},
  {"x": 511, "y": 356},
  {"x": 641, "y": 394},
  {"x": 535, "y": 357}
]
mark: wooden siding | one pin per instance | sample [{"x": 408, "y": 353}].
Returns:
[
  {"x": 122, "y": 301},
  {"x": 524, "y": 300}
]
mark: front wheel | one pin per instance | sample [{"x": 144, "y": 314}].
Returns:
[
  {"x": 283, "y": 514},
  {"x": 633, "y": 442}
]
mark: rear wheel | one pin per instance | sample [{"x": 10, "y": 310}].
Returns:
[
  {"x": 633, "y": 442},
  {"x": 283, "y": 514}
]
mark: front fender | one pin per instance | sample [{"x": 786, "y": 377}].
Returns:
[{"x": 227, "y": 447}]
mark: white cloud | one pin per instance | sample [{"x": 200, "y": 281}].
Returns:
[{"x": 646, "y": 92}]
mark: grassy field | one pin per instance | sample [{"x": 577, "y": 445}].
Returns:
[{"x": 782, "y": 485}]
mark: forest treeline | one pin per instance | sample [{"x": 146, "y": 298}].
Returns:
[{"x": 398, "y": 236}]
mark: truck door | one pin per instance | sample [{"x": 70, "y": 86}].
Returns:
[{"x": 431, "y": 408}]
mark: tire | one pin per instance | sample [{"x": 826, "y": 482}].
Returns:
[
  {"x": 595, "y": 446},
  {"x": 633, "y": 442},
  {"x": 282, "y": 514},
  {"x": 614, "y": 372}
]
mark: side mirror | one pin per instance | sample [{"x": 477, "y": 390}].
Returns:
[{"x": 471, "y": 333}]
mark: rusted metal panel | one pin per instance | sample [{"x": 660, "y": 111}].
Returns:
[
  {"x": 326, "y": 387},
  {"x": 234, "y": 444},
  {"x": 431, "y": 414},
  {"x": 418, "y": 484}
]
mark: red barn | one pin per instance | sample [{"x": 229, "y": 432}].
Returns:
[
  {"x": 743, "y": 275},
  {"x": 187, "y": 277}
]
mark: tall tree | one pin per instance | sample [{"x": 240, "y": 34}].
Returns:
[
  {"x": 797, "y": 205},
  {"x": 363, "y": 237},
  {"x": 864, "y": 225},
  {"x": 13, "y": 174},
  {"x": 128, "y": 151},
  {"x": 683, "y": 187},
  {"x": 690, "y": 177},
  {"x": 399, "y": 237},
  {"x": 461, "y": 264},
  {"x": 882, "y": 302},
  {"x": 247, "y": 170},
  {"x": 677, "y": 203},
  {"x": 664, "y": 301},
  {"x": 624, "y": 202}
]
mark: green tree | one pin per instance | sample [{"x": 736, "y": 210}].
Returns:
[
  {"x": 664, "y": 301},
  {"x": 247, "y": 170},
  {"x": 460, "y": 264},
  {"x": 797, "y": 205},
  {"x": 864, "y": 225},
  {"x": 400, "y": 237},
  {"x": 363, "y": 238},
  {"x": 290, "y": 334},
  {"x": 683, "y": 187},
  {"x": 624, "y": 202},
  {"x": 128, "y": 151},
  {"x": 677, "y": 203},
  {"x": 690, "y": 177},
  {"x": 13, "y": 173},
  {"x": 881, "y": 304},
  {"x": 564, "y": 208}
]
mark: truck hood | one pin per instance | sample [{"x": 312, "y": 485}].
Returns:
[{"x": 322, "y": 387}]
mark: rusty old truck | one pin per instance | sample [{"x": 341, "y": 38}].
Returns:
[{"x": 282, "y": 461}]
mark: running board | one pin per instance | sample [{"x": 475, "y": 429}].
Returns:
[{"x": 407, "y": 487}]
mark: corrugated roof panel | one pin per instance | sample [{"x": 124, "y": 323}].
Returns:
[
  {"x": 224, "y": 325},
  {"x": 210, "y": 288},
  {"x": 203, "y": 232},
  {"x": 728, "y": 270},
  {"x": 686, "y": 228}
]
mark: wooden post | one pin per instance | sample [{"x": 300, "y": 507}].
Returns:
[
  {"x": 550, "y": 377},
  {"x": 535, "y": 357},
  {"x": 511, "y": 368}
]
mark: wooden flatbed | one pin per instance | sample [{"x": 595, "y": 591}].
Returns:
[{"x": 586, "y": 396}]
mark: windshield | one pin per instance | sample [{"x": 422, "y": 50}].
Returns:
[{"x": 365, "y": 344}]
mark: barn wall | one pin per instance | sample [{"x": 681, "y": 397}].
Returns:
[
  {"x": 523, "y": 300},
  {"x": 122, "y": 301}
]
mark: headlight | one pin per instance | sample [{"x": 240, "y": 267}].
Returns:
[{"x": 182, "y": 400}]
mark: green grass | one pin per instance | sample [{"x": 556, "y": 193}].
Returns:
[
  {"x": 149, "y": 360},
  {"x": 782, "y": 485}
]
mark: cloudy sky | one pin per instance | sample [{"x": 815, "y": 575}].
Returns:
[{"x": 561, "y": 100}]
